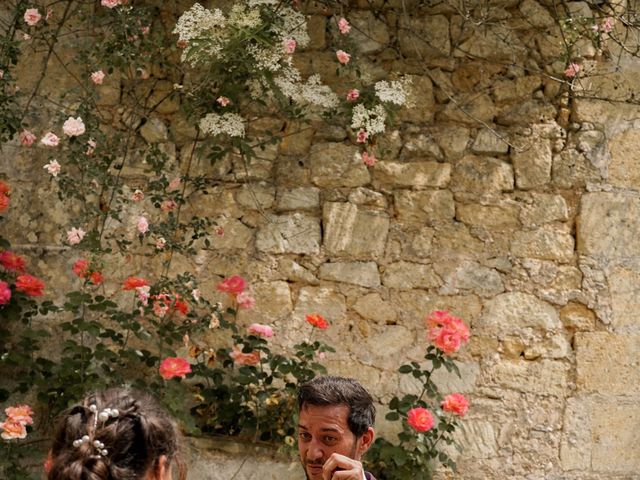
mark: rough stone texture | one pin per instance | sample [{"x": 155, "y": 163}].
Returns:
[
  {"x": 482, "y": 174},
  {"x": 289, "y": 233},
  {"x": 546, "y": 243},
  {"x": 404, "y": 276},
  {"x": 497, "y": 217},
  {"x": 532, "y": 163},
  {"x": 512, "y": 311},
  {"x": 624, "y": 168},
  {"x": 546, "y": 376},
  {"x": 426, "y": 36},
  {"x": 336, "y": 165},
  {"x": 364, "y": 274},
  {"x": 469, "y": 276},
  {"x": 422, "y": 207},
  {"x": 414, "y": 174},
  {"x": 349, "y": 230},
  {"x": 599, "y": 354},
  {"x": 489, "y": 142}
]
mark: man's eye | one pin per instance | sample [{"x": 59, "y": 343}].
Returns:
[
  {"x": 330, "y": 440},
  {"x": 304, "y": 436}
]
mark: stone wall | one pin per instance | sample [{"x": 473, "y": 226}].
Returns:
[{"x": 509, "y": 195}]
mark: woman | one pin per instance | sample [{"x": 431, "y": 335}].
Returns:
[{"x": 117, "y": 434}]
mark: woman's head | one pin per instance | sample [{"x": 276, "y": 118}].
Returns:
[{"x": 117, "y": 434}]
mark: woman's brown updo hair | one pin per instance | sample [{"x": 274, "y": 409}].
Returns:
[{"x": 134, "y": 440}]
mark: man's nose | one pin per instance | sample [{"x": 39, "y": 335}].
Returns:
[{"x": 315, "y": 451}]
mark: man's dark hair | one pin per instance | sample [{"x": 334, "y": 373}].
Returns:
[{"x": 328, "y": 390}]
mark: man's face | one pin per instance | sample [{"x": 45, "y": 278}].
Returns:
[{"x": 323, "y": 430}]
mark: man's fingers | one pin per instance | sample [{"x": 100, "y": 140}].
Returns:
[
  {"x": 348, "y": 468},
  {"x": 355, "y": 474}
]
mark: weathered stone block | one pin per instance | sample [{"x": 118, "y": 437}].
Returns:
[
  {"x": 302, "y": 198},
  {"x": 348, "y": 230},
  {"x": 289, "y": 234},
  {"x": 469, "y": 109},
  {"x": 544, "y": 208},
  {"x": 256, "y": 196},
  {"x": 469, "y": 277},
  {"x": 273, "y": 302},
  {"x": 369, "y": 32},
  {"x": 424, "y": 37},
  {"x": 335, "y": 165},
  {"x": 453, "y": 141},
  {"x": 373, "y": 307},
  {"x": 490, "y": 142},
  {"x": 607, "y": 363},
  {"x": 296, "y": 139},
  {"x": 236, "y": 235},
  {"x": 491, "y": 42},
  {"x": 609, "y": 226},
  {"x": 532, "y": 163},
  {"x": 321, "y": 300},
  {"x": 545, "y": 243},
  {"x": 624, "y": 166},
  {"x": 599, "y": 433},
  {"x": 624, "y": 284},
  {"x": 364, "y": 274},
  {"x": 573, "y": 169},
  {"x": 405, "y": 275},
  {"x": 545, "y": 377},
  {"x": 422, "y": 101},
  {"x": 504, "y": 216},
  {"x": 413, "y": 174},
  {"x": 513, "y": 311},
  {"x": 482, "y": 174},
  {"x": 424, "y": 206},
  {"x": 577, "y": 317}
]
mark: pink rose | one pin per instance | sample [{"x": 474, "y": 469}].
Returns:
[
  {"x": 168, "y": 205},
  {"x": 289, "y": 45},
  {"x": 233, "y": 285},
  {"x": 50, "y": 140},
  {"x": 240, "y": 358},
  {"x": 161, "y": 243},
  {"x": 174, "y": 184},
  {"x": 30, "y": 285},
  {"x": 455, "y": 403},
  {"x": 12, "y": 261},
  {"x": 142, "y": 225},
  {"x": 32, "y": 16},
  {"x": 53, "y": 168},
  {"x": 75, "y": 235},
  {"x": 343, "y": 57},
  {"x": 362, "y": 136},
  {"x": 223, "y": 101},
  {"x": 12, "y": 429},
  {"x": 261, "y": 330},
  {"x": 73, "y": 127},
  {"x": 446, "y": 332},
  {"x": 572, "y": 70},
  {"x": 607, "y": 25},
  {"x": 97, "y": 77},
  {"x": 137, "y": 196},
  {"x": 20, "y": 413},
  {"x": 172, "y": 367},
  {"x": 27, "y": 138},
  {"x": 91, "y": 147},
  {"x": 343, "y": 26},
  {"x": 219, "y": 231},
  {"x": 368, "y": 160},
  {"x": 245, "y": 300},
  {"x": 110, "y": 3},
  {"x": 352, "y": 95},
  {"x": 420, "y": 419},
  {"x": 5, "y": 293}
]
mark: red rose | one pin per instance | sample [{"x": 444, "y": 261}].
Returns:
[
  {"x": 30, "y": 285},
  {"x": 233, "y": 285},
  {"x": 174, "y": 367},
  {"x": 420, "y": 419},
  {"x": 317, "y": 321},
  {"x": 455, "y": 403},
  {"x": 132, "y": 283}
]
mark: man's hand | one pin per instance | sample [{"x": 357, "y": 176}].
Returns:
[{"x": 339, "y": 467}]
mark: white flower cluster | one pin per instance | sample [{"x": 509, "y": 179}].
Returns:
[
  {"x": 266, "y": 58},
  {"x": 231, "y": 124},
  {"x": 197, "y": 20},
  {"x": 241, "y": 17},
  {"x": 318, "y": 94},
  {"x": 394, "y": 92},
  {"x": 372, "y": 121},
  {"x": 294, "y": 25}
]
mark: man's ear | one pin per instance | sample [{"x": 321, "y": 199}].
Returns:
[
  {"x": 366, "y": 440},
  {"x": 161, "y": 470}
]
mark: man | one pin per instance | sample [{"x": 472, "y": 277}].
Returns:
[{"x": 335, "y": 428}]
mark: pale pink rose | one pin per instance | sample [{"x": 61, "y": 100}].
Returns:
[
  {"x": 145, "y": 30},
  {"x": 75, "y": 235},
  {"x": 91, "y": 147},
  {"x": 219, "y": 231},
  {"x": 368, "y": 160},
  {"x": 32, "y": 16},
  {"x": 49, "y": 13},
  {"x": 5, "y": 293},
  {"x": 343, "y": 26},
  {"x": 27, "y": 138},
  {"x": 137, "y": 196},
  {"x": 53, "y": 168},
  {"x": 455, "y": 403},
  {"x": 321, "y": 355},
  {"x": 572, "y": 70},
  {"x": 12, "y": 429},
  {"x": 73, "y": 127},
  {"x": 223, "y": 101},
  {"x": 50, "y": 140},
  {"x": 195, "y": 293},
  {"x": 362, "y": 136},
  {"x": 174, "y": 184},
  {"x": 606, "y": 26},
  {"x": 161, "y": 243},
  {"x": 260, "y": 330},
  {"x": 289, "y": 45},
  {"x": 97, "y": 77},
  {"x": 26, "y": 36},
  {"x": 246, "y": 300},
  {"x": 110, "y": 3},
  {"x": 240, "y": 358},
  {"x": 20, "y": 413},
  {"x": 343, "y": 57},
  {"x": 168, "y": 205},
  {"x": 446, "y": 332},
  {"x": 142, "y": 225},
  {"x": 143, "y": 294},
  {"x": 352, "y": 95}
]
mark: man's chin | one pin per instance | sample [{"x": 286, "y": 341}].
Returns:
[{"x": 314, "y": 472}]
